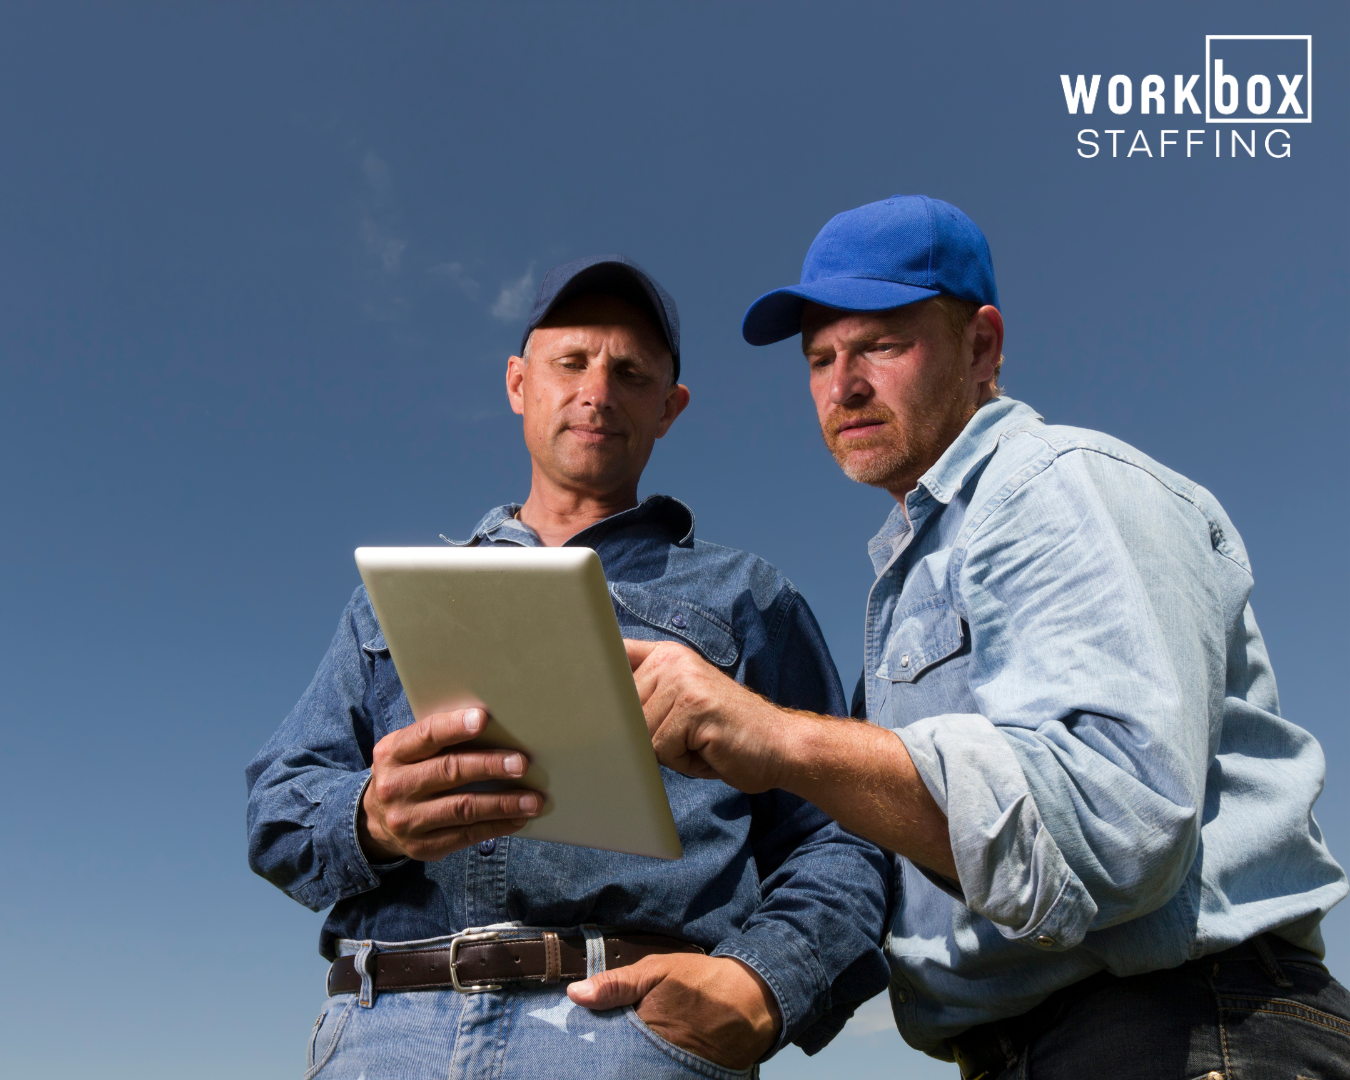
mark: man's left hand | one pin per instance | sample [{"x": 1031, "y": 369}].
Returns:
[{"x": 712, "y": 1006}]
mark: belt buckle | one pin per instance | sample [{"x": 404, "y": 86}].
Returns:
[{"x": 468, "y": 938}]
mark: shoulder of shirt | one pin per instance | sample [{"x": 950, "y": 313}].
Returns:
[
  {"x": 764, "y": 580},
  {"x": 1030, "y": 451},
  {"x": 364, "y": 624},
  {"x": 1024, "y": 456}
]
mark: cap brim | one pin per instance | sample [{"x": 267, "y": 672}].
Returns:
[{"x": 778, "y": 315}]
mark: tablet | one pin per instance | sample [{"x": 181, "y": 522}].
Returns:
[{"x": 530, "y": 633}]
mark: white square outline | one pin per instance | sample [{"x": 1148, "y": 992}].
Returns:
[{"x": 1209, "y": 70}]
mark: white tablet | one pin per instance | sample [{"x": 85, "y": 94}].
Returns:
[{"x": 530, "y": 633}]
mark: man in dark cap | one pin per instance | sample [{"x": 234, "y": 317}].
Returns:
[
  {"x": 1107, "y": 863},
  {"x": 766, "y": 931}
]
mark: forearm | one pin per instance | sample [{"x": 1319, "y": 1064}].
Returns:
[
  {"x": 862, "y": 776},
  {"x": 705, "y": 724},
  {"x": 818, "y": 927}
]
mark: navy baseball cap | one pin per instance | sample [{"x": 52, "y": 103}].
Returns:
[
  {"x": 883, "y": 255},
  {"x": 610, "y": 275}
]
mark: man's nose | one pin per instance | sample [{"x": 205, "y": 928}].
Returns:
[
  {"x": 848, "y": 385},
  {"x": 597, "y": 388}
]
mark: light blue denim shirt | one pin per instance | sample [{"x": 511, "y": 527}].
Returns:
[{"x": 1059, "y": 632}]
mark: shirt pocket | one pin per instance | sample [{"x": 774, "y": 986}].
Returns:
[
  {"x": 674, "y": 616},
  {"x": 925, "y": 634}
]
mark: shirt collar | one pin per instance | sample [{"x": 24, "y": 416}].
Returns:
[
  {"x": 939, "y": 485},
  {"x": 976, "y": 445},
  {"x": 668, "y": 515}
]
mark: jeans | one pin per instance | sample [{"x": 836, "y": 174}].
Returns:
[
  {"x": 1260, "y": 1011},
  {"x": 522, "y": 1033},
  {"x": 534, "y": 1032}
]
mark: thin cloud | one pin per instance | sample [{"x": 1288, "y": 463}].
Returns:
[
  {"x": 382, "y": 242},
  {"x": 457, "y": 276},
  {"x": 513, "y": 302},
  {"x": 376, "y": 171},
  {"x": 386, "y": 248}
]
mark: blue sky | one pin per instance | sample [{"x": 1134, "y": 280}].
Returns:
[{"x": 260, "y": 269}]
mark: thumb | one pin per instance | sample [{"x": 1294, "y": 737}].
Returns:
[
  {"x": 625, "y": 986},
  {"x": 638, "y": 651}
]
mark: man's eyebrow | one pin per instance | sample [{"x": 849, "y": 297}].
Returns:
[{"x": 889, "y": 337}]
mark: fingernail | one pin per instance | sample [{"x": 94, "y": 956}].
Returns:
[
  {"x": 514, "y": 764},
  {"x": 473, "y": 719},
  {"x": 529, "y": 804}
]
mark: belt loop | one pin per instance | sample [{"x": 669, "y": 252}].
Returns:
[
  {"x": 1266, "y": 955},
  {"x": 552, "y": 959},
  {"x": 595, "y": 949},
  {"x": 365, "y": 964}
]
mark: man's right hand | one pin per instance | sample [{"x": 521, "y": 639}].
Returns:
[{"x": 411, "y": 808}]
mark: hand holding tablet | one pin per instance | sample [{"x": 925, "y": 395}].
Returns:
[
  {"x": 414, "y": 805},
  {"x": 530, "y": 636}
]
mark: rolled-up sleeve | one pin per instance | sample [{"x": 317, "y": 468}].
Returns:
[
  {"x": 305, "y": 785},
  {"x": 1096, "y": 654},
  {"x": 815, "y": 938}
]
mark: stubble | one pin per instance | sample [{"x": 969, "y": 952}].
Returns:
[{"x": 902, "y": 447}]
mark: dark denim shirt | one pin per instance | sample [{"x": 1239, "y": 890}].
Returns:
[{"x": 768, "y": 878}]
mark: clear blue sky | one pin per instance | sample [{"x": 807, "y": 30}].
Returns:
[{"x": 260, "y": 269}]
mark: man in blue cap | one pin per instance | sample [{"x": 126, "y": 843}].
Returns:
[
  {"x": 766, "y": 931},
  {"x": 1107, "y": 863}
]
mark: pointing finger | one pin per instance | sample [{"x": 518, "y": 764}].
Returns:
[{"x": 638, "y": 651}]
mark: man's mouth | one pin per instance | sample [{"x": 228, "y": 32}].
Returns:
[
  {"x": 859, "y": 427},
  {"x": 590, "y": 433}
]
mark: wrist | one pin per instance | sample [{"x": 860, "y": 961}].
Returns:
[
  {"x": 797, "y": 750},
  {"x": 376, "y": 844},
  {"x": 762, "y": 1013}
]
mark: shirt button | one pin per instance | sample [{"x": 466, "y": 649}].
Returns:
[
  {"x": 677, "y": 621},
  {"x": 1044, "y": 941},
  {"x": 904, "y": 660},
  {"x": 487, "y": 847}
]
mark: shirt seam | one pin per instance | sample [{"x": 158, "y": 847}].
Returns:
[{"x": 1029, "y": 472}]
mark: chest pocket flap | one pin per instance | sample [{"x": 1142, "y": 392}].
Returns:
[
  {"x": 680, "y": 618},
  {"x": 924, "y": 634},
  {"x": 376, "y": 646}
]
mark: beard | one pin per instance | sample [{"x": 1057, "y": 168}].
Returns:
[{"x": 902, "y": 448}]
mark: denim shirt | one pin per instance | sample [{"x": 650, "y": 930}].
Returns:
[
  {"x": 1060, "y": 634},
  {"x": 766, "y": 878}
]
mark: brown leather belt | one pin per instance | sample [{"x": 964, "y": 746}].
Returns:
[{"x": 472, "y": 963}]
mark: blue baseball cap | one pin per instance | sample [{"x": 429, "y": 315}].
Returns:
[
  {"x": 608, "y": 275},
  {"x": 883, "y": 255}
]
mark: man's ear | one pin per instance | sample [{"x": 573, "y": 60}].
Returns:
[
  {"x": 985, "y": 334},
  {"x": 677, "y": 400},
  {"x": 515, "y": 379}
]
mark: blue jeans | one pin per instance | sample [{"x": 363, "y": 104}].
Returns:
[
  {"x": 537, "y": 1032},
  {"x": 1262, "y": 1010}
]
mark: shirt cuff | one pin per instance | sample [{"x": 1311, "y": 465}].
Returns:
[
  {"x": 345, "y": 869},
  {"x": 1010, "y": 868},
  {"x": 780, "y": 957}
]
